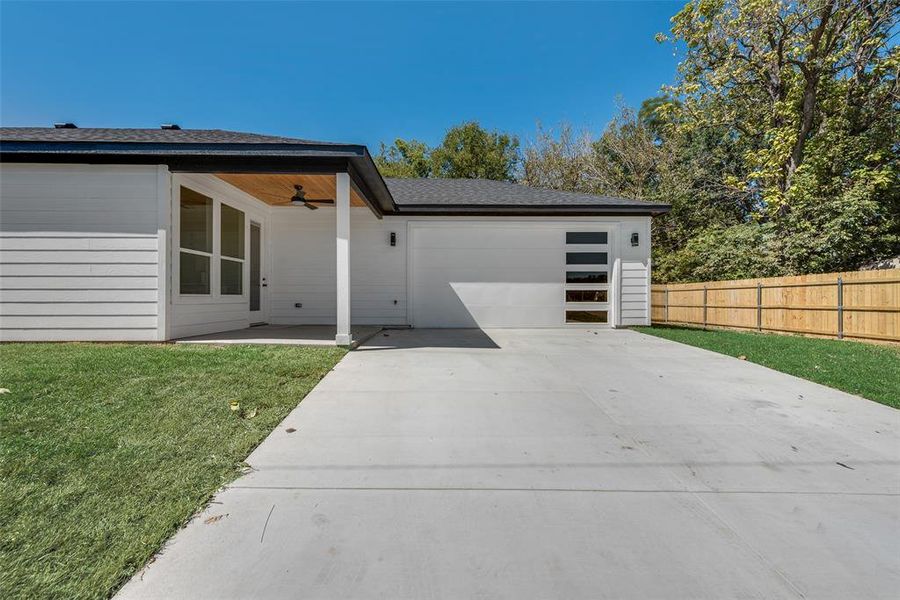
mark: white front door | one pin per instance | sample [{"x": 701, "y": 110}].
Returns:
[{"x": 258, "y": 285}]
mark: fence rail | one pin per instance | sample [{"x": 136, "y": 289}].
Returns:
[{"x": 862, "y": 305}]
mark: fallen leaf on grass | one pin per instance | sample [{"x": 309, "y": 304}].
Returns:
[
  {"x": 742, "y": 357},
  {"x": 235, "y": 406},
  {"x": 250, "y": 414}
]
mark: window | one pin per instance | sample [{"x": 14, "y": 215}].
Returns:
[
  {"x": 587, "y": 277},
  {"x": 196, "y": 244},
  {"x": 586, "y": 316},
  {"x": 232, "y": 277},
  {"x": 585, "y": 237},
  {"x": 194, "y": 273},
  {"x": 202, "y": 248},
  {"x": 231, "y": 244},
  {"x": 586, "y": 295},
  {"x": 586, "y": 258}
]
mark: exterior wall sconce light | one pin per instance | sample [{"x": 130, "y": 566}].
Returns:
[
  {"x": 393, "y": 239},
  {"x": 635, "y": 239}
]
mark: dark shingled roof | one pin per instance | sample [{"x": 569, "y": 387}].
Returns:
[
  {"x": 487, "y": 193},
  {"x": 210, "y": 150},
  {"x": 149, "y": 136}
]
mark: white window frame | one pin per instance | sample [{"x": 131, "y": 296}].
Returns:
[
  {"x": 176, "y": 217},
  {"x": 245, "y": 272},
  {"x": 215, "y": 277}
]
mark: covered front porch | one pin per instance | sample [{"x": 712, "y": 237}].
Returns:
[{"x": 261, "y": 248}]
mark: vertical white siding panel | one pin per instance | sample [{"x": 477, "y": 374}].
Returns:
[
  {"x": 79, "y": 252},
  {"x": 163, "y": 207},
  {"x": 303, "y": 267}
]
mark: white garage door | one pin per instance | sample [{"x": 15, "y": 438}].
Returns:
[{"x": 479, "y": 274}]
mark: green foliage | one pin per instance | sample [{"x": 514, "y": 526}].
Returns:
[
  {"x": 776, "y": 147},
  {"x": 737, "y": 252},
  {"x": 404, "y": 159},
  {"x": 467, "y": 151},
  {"x": 107, "y": 449}
]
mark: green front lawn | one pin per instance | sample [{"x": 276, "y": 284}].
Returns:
[
  {"x": 868, "y": 370},
  {"x": 105, "y": 450}
]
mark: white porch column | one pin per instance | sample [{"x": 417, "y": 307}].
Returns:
[{"x": 342, "y": 232}]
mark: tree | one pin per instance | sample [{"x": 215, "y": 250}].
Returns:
[
  {"x": 404, "y": 159},
  {"x": 467, "y": 151},
  {"x": 804, "y": 96},
  {"x": 780, "y": 73},
  {"x": 558, "y": 163}
]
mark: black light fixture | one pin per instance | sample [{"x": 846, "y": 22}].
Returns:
[
  {"x": 635, "y": 240},
  {"x": 393, "y": 239}
]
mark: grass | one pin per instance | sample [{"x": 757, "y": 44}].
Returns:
[
  {"x": 106, "y": 450},
  {"x": 867, "y": 370}
]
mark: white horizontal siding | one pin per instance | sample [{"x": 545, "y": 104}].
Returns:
[
  {"x": 79, "y": 308},
  {"x": 633, "y": 277},
  {"x": 57, "y": 334},
  {"x": 79, "y": 252},
  {"x": 41, "y": 282}
]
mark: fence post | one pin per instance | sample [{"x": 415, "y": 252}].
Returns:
[
  {"x": 667, "y": 303},
  {"x": 759, "y": 306},
  {"x": 840, "y": 307},
  {"x": 704, "y": 307}
]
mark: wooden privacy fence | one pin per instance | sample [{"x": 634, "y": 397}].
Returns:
[{"x": 860, "y": 304}]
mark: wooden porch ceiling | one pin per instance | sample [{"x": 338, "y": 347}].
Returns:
[{"x": 277, "y": 189}]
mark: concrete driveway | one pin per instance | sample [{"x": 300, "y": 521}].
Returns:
[{"x": 553, "y": 464}]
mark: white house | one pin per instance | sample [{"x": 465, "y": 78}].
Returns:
[{"x": 158, "y": 234}]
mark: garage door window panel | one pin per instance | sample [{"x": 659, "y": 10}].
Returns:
[
  {"x": 586, "y": 237},
  {"x": 587, "y": 277},
  {"x": 587, "y": 316},
  {"x": 586, "y": 258},
  {"x": 595, "y": 296}
]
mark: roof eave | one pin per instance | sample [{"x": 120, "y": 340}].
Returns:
[
  {"x": 180, "y": 149},
  {"x": 532, "y": 210},
  {"x": 218, "y": 158}
]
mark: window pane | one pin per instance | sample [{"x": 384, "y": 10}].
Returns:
[
  {"x": 586, "y": 237},
  {"x": 585, "y": 316},
  {"x": 194, "y": 274},
  {"x": 587, "y": 277},
  {"x": 232, "y": 278},
  {"x": 255, "y": 267},
  {"x": 232, "y": 232},
  {"x": 586, "y": 295},
  {"x": 585, "y": 258},
  {"x": 196, "y": 221}
]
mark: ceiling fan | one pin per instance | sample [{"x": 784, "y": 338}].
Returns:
[{"x": 299, "y": 199}]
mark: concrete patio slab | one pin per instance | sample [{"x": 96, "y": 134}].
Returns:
[
  {"x": 300, "y": 335},
  {"x": 553, "y": 464}
]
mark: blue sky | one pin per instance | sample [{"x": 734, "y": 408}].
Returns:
[{"x": 361, "y": 73}]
